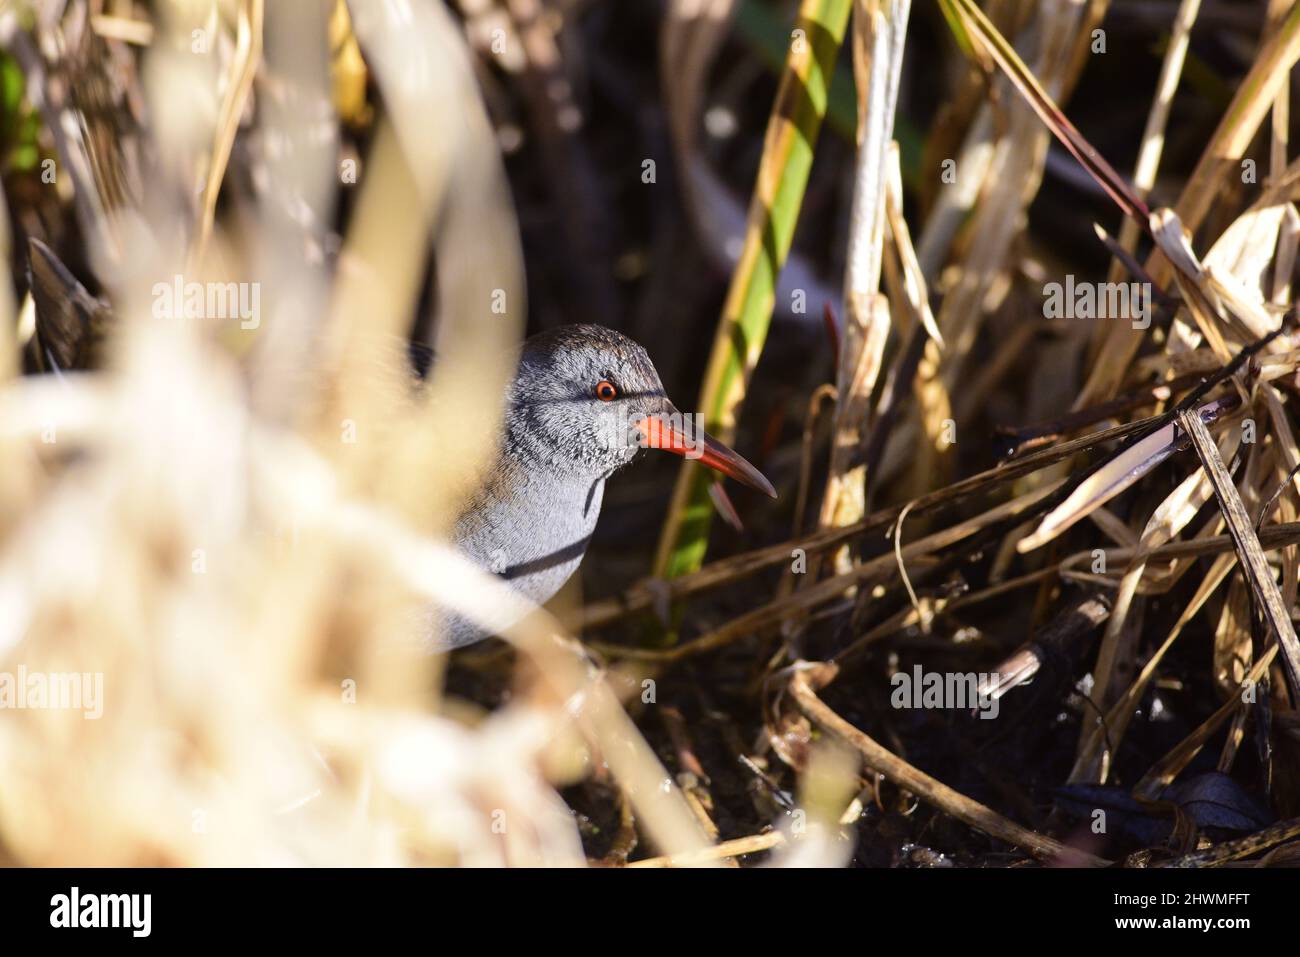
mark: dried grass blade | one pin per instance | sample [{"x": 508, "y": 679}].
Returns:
[
  {"x": 1024, "y": 80},
  {"x": 1111, "y": 479},
  {"x": 1253, "y": 562},
  {"x": 1153, "y": 136},
  {"x": 243, "y": 68},
  {"x": 883, "y": 761}
]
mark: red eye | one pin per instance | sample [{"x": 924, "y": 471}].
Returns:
[{"x": 605, "y": 391}]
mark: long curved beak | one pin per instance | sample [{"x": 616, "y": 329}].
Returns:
[{"x": 668, "y": 432}]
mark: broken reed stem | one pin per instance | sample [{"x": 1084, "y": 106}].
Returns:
[
  {"x": 1253, "y": 563},
  {"x": 1241, "y": 847},
  {"x": 1253, "y": 99},
  {"x": 1153, "y": 136},
  {"x": 727, "y": 849},
  {"x": 645, "y": 593},
  {"x": 243, "y": 68},
  {"x": 1272, "y": 537},
  {"x": 879, "y": 28},
  {"x": 831, "y": 588},
  {"x": 884, "y": 762}
]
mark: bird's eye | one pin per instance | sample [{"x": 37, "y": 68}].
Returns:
[{"x": 605, "y": 391}]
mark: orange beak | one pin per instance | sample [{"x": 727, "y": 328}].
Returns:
[{"x": 660, "y": 432}]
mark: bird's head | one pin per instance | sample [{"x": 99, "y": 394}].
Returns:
[{"x": 588, "y": 399}]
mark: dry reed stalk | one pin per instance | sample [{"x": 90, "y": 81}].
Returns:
[{"x": 879, "y": 29}]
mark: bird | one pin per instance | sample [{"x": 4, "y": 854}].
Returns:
[{"x": 583, "y": 402}]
